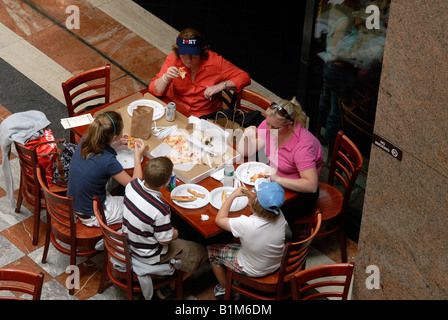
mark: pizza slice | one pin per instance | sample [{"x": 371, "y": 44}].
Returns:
[
  {"x": 184, "y": 198},
  {"x": 131, "y": 142},
  {"x": 256, "y": 176},
  {"x": 197, "y": 194},
  {"x": 182, "y": 72},
  {"x": 179, "y": 143},
  {"x": 180, "y": 160},
  {"x": 223, "y": 196}
]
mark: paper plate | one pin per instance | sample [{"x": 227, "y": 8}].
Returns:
[
  {"x": 245, "y": 171},
  {"x": 238, "y": 204},
  {"x": 196, "y": 204},
  {"x": 159, "y": 110},
  {"x": 126, "y": 157}
]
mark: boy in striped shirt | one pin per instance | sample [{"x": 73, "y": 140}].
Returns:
[{"x": 147, "y": 222}]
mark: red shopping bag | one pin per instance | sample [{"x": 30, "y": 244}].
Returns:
[{"x": 46, "y": 161}]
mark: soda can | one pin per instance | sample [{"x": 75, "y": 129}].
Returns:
[
  {"x": 170, "y": 111},
  {"x": 172, "y": 183}
]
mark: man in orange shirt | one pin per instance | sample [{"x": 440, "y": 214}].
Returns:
[{"x": 193, "y": 76}]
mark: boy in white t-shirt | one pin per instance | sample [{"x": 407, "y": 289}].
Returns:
[{"x": 261, "y": 235}]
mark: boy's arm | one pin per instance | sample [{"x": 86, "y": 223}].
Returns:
[
  {"x": 175, "y": 235},
  {"x": 164, "y": 232},
  {"x": 222, "y": 218}
]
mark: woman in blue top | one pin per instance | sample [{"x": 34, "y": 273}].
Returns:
[{"x": 94, "y": 163}]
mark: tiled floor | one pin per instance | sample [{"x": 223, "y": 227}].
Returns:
[{"x": 34, "y": 40}]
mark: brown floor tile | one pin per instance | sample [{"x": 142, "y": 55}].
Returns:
[
  {"x": 66, "y": 50},
  {"x": 148, "y": 72},
  {"x": 89, "y": 279},
  {"x": 21, "y": 235},
  {"x": 56, "y": 9},
  {"x": 123, "y": 87},
  {"x": 23, "y": 20},
  {"x": 4, "y": 113}
]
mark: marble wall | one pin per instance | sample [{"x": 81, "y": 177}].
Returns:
[{"x": 405, "y": 217}]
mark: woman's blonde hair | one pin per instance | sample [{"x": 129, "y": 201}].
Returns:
[
  {"x": 260, "y": 211},
  {"x": 190, "y": 33},
  {"x": 294, "y": 110},
  {"x": 100, "y": 133}
]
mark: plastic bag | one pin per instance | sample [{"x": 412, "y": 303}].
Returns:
[
  {"x": 60, "y": 175},
  {"x": 47, "y": 161}
]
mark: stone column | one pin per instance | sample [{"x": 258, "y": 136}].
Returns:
[{"x": 404, "y": 229}]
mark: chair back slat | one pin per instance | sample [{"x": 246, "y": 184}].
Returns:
[
  {"x": 254, "y": 98},
  {"x": 346, "y": 163},
  {"x": 90, "y": 80},
  {"x": 295, "y": 254},
  {"x": 116, "y": 243},
  {"x": 27, "y": 161},
  {"x": 319, "y": 282},
  {"x": 19, "y": 279},
  {"x": 250, "y": 100},
  {"x": 60, "y": 209}
]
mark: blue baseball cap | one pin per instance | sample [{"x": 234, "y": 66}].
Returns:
[
  {"x": 271, "y": 196},
  {"x": 189, "y": 46}
]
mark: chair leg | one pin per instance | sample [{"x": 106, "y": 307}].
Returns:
[
  {"x": 179, "y": 283},
  {"x": 47, "y": 239},
  {"x": 129, "y": 292},
  {"x": 19, "y": 198},
  {"x": 228, "y": 293},
  {"x": 71, "y": 290},
  {"x": 36, "y": 220},
  {"x": 343, "y": 246},
  {"x": 104, "y": 274}
]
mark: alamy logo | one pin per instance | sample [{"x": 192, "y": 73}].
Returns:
[
  {"x": 373, "y": 280},
  {"x": 373, "y": 21},
  {"x": 72, "y": 21},
  {"x": 72, "y": 281}
]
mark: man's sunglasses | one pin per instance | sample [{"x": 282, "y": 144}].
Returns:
[{"x": 281, "y": 111}]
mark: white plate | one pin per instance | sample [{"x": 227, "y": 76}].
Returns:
[
  {"x": 196, "y": 204},
  {"x": 245, "y": 171},
  {"x": 159, "y": 110},
  {"x": 126, "y": 157},
  {"x": 237, "y": 204}
]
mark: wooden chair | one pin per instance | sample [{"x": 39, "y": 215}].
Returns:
[
  {"x": 354, "y": 126},
  {"x": 305, "y": 282},
  {"x": 346, "y": 162},
  {"x": 85, "y": 85},
  {"x": 23, "y": 281},
  {"x": 228, "y": 99},
  {"x": 117, "y": 247},
  {"x": 275, "y": 286},
  {"x": 62, "y": 226},
  {"x": 249, "y": 100},
  {"x": 29, "y": 185}
]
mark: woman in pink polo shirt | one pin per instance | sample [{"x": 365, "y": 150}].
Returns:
[{"x": 295, "y": 155}]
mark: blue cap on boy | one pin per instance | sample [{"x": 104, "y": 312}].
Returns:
[{"x": 271, "y": 196}]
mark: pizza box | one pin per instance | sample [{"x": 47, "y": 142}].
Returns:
[{"x": 203, "y": 169}]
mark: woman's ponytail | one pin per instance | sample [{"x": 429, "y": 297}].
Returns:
[{"x": 100, "y": 133}]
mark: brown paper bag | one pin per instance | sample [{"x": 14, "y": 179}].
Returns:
[{"x": 142, "y": 122}]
